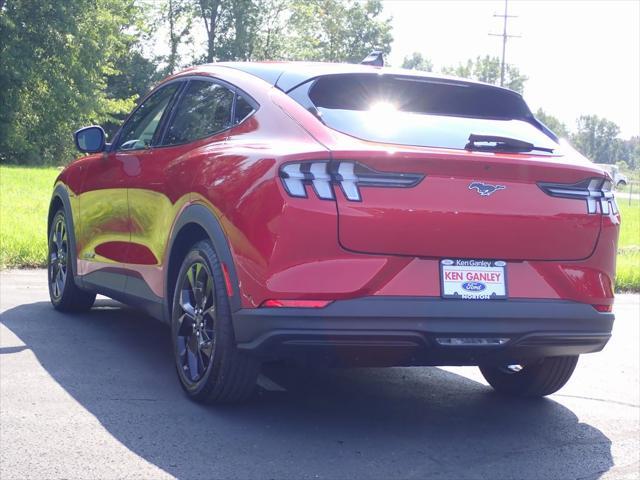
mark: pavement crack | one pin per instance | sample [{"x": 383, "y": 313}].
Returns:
[
  {"x": 595, "y": 399},
  {"x": 117, "y": 399}
]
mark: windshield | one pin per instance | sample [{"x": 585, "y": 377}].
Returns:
[{"x": 422, "y": 112}]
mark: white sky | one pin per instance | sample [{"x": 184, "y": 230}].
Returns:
[{"x": 581, "y": 57}]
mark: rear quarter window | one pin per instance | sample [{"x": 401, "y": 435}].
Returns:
[{"x": 204, "y": 109}]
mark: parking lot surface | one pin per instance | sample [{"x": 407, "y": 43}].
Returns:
[{"x": 96, "y": 396}]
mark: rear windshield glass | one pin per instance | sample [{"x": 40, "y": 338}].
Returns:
[{"x": 421, "y": 112}]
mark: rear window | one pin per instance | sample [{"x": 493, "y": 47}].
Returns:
[{"x": 420, "y": 111}]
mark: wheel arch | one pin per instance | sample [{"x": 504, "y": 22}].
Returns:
[
  {"x": 195, "y": 223},
  {"x": 60, "y": 199}
]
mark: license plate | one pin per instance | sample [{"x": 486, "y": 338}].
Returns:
[{"x": 473, "y": 279}]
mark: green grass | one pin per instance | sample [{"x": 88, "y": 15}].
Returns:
[
  {"x": 628, "y": 265},
  {"x": 25, "y": 194},
  {"x": 24, "y": 202}
]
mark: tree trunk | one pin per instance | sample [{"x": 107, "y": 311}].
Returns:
[{"x": 210, "y": 11}]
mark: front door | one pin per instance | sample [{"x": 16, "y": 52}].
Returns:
[{"x": 105, "y": 227}]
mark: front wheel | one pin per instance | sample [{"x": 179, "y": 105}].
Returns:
[
  {"x": 63, "y": 291},
  {"x": 538, "y": 379},
  {"x": 210, "y": 367}
]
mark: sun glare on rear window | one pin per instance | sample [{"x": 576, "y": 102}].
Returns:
[{"x": 422, "y": 112}]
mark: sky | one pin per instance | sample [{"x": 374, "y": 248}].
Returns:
[{"x": 581, "y": 56}]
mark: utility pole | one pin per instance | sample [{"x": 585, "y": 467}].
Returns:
[{"x": 504, "y": 36}]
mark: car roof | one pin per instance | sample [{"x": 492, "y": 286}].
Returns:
[{"x": 288, "y": 75}]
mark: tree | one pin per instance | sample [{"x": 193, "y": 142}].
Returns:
[
  {"x": 323, "y": 30},
  {"x": 178, "y": 16},
  {"x": 210, "y": 13},
  {"x": 596, "y": 138},
  {"x": 134, "y": 77},
  {"x": 337, "y": 30},
  {"x": 555, "y": 125},
  {"x": 242, "y": 29},
  {"x": 487, "y": 69},
  {"x": 629, "y": 152},
  {"x": 417, "y": 62},
  {"x": 56, "y": 58}
]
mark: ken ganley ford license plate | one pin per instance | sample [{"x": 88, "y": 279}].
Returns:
[{"x": 473, "y": 279}]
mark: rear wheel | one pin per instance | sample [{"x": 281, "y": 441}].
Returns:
[
  {"x": 63, "y": 291},
  {"x": 538, "y": 379},
  {"x": 210, "y": 367}
]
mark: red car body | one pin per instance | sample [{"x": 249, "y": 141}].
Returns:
[{"x": 342, "y": 276}]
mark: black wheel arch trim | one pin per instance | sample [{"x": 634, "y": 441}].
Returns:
[
  {"x": 60, "y": 192},
  {"x": 203, "y": 217}
]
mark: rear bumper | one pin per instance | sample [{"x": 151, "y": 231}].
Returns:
[{"x": 408, "y": 331}]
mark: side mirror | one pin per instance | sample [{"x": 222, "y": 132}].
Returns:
[{"x": 90, "y": 139}]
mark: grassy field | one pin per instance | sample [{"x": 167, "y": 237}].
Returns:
[
  {"x": 25, "y": 195},
  {"x": 24, "y": 202},
  {"x": 628, "y": 266}
]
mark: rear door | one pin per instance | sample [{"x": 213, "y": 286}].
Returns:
[{"x": 160, "y": 184}]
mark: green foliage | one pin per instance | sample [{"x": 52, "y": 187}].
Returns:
[
  {"x": 322, "y": 30},
  {"x": 555, "y": 125},
  {"x": 134, "y": 78},
  {"x": 177, "y": 16},
  {"x": 337, "y": 30},
  {"x": 487, "y": 69},
  {"x": 596, "y": 138},
  {"x": 629, "y": 153},
  {"x": 57, "y": 58},
  {"x": 417, "y": 62},
  {"x": 248, "y": 29}
]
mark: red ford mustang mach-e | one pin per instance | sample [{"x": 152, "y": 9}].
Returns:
[{"x": 347, "y": 214}]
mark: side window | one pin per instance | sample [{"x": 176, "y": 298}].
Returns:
[
  {"x": 243, "y": 109},
  {"x": 139, "y": 130},
  {"x": 204, "y": 109}
]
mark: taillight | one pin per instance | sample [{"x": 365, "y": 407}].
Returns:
[
  {"x": 595, "y": 191},
  {"x": 348, "y": 175},
  {"x": 295, "y": 303},
  {"x": 603, "y": 308}
]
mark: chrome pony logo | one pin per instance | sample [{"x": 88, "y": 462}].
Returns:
[{"x": 485, "y": 189}]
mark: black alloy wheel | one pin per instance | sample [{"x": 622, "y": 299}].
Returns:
[
  {"x": 65, "y": 295},
  {"x": 58, "y": 252},
  {"x": 210, "y": 367},
  {"x": 195, "y": 338}
]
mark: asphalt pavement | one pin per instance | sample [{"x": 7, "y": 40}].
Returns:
[{"x": 95, "y": 396}]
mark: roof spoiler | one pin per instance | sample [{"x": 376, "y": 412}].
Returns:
[{"x": 374, "y": 59}]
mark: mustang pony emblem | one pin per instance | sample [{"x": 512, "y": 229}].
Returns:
[{"x": 485, "y": 189}]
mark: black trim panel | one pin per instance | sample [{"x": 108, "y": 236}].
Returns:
[
  {"x": 128, "y": 289},
  {"x": 409, "y": 326}
]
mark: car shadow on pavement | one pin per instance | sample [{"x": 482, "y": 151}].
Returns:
[{"x": 359, "y": 423}]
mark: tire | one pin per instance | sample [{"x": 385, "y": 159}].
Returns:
[
  {"x": 64, "y": 293},
  {"x": 210, "y": 367},
  {"x": 539, "y": 379}
]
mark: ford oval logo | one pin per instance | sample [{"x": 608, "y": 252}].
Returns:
[{"x": 474, "y": 286}]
